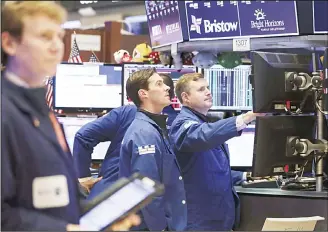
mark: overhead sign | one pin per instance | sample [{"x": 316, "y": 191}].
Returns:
[
  {"x": 230, "y": 19},
  {"x": 212, "y": 19},
  {"x": 268, "y": 18},
  {"x": 320, "y": 17},
  {"x": 163, "y": 22}
]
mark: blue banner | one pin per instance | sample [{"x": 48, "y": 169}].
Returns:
[
  {"x": 320, "y": 17},
  {"x": 212, "y": 19},
  {"x": 268, "y": 18},
  {"x": 230, "y": 19},
  {"x": 163, "y": 22}
]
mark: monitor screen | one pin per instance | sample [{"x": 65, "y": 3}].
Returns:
[
  {"x": 72, "y": 125},
  {"x": 173, "y": 72},
  {"x": 270, "y": 150},
  {"x": 88, "y": 86},
  {"x": 272, "y": 90},
  {"x": 241, "y": 148},
  {"x": 231, "y": 89}
]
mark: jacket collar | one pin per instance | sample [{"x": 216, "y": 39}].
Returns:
[
  {"x": 196, "y": 114},
  {"x": 159, "y": 119},
  {"x": 193, "y": 114},
  {"x": 15, "y": 79},
  {"x": 28, "y": 100}
]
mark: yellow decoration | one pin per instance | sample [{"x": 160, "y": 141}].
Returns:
[{"x": 141, "y": 53}]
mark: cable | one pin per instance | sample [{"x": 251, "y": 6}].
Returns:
[
  {"x": 307, "y": 91},
  {"x": 317, "y": 105},
  {"x": 320, "y": 158},
  {"x": 303, "y": 167}
]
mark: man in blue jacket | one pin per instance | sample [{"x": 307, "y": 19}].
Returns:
[
  {"x": 145, "y": 149},
  {"x": 203, "y": 156},
  {"x": 110, "y": 127}
]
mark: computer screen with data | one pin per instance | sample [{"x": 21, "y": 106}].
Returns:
[
  {"x": 231, "y": 89},
  {"x": 72, "y": 125},
  {"x": 175, "y": 74},
  {"x": 241, "y": 148},
  {"x": 88, "y": 86}
]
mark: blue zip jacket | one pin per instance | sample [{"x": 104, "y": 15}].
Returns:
[
  {"x": 203, "y": 156},
  {"x": 146, "y": 150}
]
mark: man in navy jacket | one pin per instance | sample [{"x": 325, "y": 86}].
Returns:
[
  {"x": 203, "y": 156},
  {"x": 145, "y": 149},
  {"x": 39, "y": 189}
]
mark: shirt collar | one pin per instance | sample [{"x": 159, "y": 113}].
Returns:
[{"x": 16, "y": 79}]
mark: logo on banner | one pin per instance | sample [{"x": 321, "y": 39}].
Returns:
[
  {"x": 263, "y": 24},
  {"x": 259, "y": 14},
  {"x": 171, "y": 28},
  {"x": 156, "y": 30},
  {"x": 210, "y": 27},
  {"x": 195, "y": 24}
]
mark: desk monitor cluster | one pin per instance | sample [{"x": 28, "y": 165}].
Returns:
[{"x": 283, "y": 85}]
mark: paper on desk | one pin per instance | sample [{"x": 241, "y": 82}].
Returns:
[{"x": 291, "y": 224}]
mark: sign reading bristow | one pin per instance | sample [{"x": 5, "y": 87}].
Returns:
[
  {"x": 265, "y": 18},
  {"x": 212, "y": 20}
]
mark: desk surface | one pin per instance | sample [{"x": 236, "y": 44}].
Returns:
[{"x": 282, "y": 193}]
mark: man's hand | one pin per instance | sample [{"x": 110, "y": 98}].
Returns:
[
  {"x": 89, "y": 182},
  {"x": 127, "y": 223},
  {"x": 73, "y": 227},
  {"x": 250, "y": 116}
]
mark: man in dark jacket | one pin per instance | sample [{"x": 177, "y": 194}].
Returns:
[
  {"x": 203, "y": 156},
  {"x": 145, "y": 149},
  {"x": 39, "y": 188}
]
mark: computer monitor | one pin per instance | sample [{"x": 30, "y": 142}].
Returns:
[
  {"x": 241, "y": 149},
  {"x": 231, "y": 89},
  {"x": 129, "y": 68},
  {"x": 87, "y": 87},
  {"x": 268, "y": 82},
  {"x": 271, "y": 134},
  {"x": 72, "y": 125}
]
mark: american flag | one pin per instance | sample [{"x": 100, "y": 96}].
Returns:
[
  {"x": 49, "y": 94},
  {"x": 50, "y": 88},
  {"x": 74, "y": 56},
  {"x": 93, "y": 58}
]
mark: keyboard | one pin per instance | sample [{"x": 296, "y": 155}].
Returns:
[{"x": 264, "y": 183}]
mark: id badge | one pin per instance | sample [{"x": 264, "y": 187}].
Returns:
[{"x": 50, "y": 192}]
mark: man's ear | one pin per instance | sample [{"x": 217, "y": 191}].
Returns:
[
  {"x": 9, "y": 44},
  {"x": 142, "y": 93},
  {"x": 185, "y": 97}
]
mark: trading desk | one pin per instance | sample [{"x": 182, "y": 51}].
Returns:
[{"x": 259, "y": 204}]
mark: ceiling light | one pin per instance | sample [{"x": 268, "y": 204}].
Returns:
[
  {"x": 88, "y": 11},
  {"x": 87, "y": 2}
]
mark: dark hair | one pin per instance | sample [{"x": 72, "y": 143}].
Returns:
[
  {"x": 138, "y": 80},
  {"x": 169, "y": 82}
]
